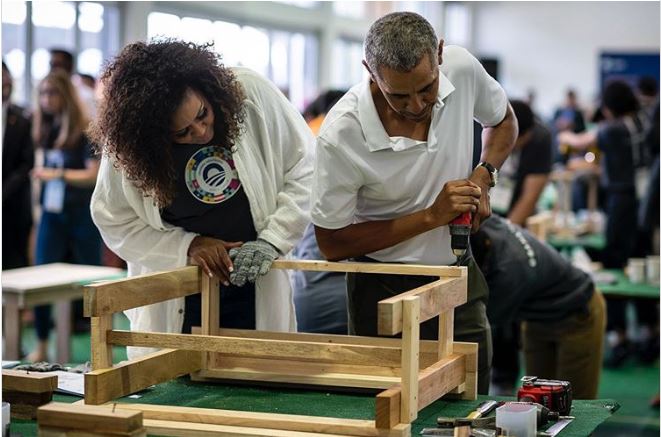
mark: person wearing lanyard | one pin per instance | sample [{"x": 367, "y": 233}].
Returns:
[
  {"x": 393, "y": 168},
  {"x": 201, "y": 164},
  {"x": 66, "y": 231}
]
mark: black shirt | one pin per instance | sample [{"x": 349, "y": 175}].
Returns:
[
  {"x": 528, "y": 280},
  {"x": 614, "y": 138},
  {"x": 536, "y": 157}
]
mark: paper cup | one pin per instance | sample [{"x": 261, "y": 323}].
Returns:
[{"x": 636, "y": 270}]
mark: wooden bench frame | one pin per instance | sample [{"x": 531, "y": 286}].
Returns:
[{"x": 413, "y": 373}]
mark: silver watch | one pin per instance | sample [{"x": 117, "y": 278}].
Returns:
[{"x": 493, "y": 172}]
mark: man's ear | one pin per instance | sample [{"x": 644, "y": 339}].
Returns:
[
  {"x": 367, "y": 67},
  {"x": 440, "y": 51}
]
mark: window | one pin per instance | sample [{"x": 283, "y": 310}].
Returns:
[
  {"x": 457, "y": 24},
  {"x": 13, "y": 45},
  {"x": 348, "y": 70}
]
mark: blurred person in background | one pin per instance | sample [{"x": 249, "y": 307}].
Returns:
[
  {"x": 63, "y": 60},
  {"x": 17, "y": 162},
  {"x": 569, "y": 116},
  {"x": 66, "y": 231}
]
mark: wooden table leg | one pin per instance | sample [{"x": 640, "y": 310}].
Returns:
[
  {"x": 63, "y": 330},
  {"x": 11, "y": 327}
]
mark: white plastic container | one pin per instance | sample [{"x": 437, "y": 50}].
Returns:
[
  {"x": 652, "y": 270},
  {"x": 636, "y": 270},
  {"x": 518, "y": 420}
]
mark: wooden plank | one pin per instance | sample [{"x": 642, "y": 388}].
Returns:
[
  {"x": 89, "y": 417},
  {"x": 327, "y": 379},
  {"x": 388, "y": 407},
  {"x": 250, "y": 347},
  {"x": 445, "y": 333},
  {"x": 440, "y": 378},
  {"x": 274, "y": 421},
  {"x": 410, "y": 359},
  {"x": 47, "y": 431},
  {"x": 210, "y": 289},
  {"x": 101, "y": 351},
  {"x": 123, "y": 294},
  {"x": 23, "y": 381},
  {"x": 123, "y": 379},
  {"x": 355, "y": 267},
  {"x": 187, "y": 429},
  {"x": 435, "y": 298}
]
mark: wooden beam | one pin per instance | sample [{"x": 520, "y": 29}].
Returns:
[
  {"x": 249, "y": 347},
  {"x": 210, "y": 288},
  {"x": 388, "y": 407},
  {"x": 47, "y": 431},
  {"x": 445, "y": 333},
  {"x": 123, "y": 294},
  {"x": 410, "y": 359},
  {"x": 187, "y": 429},
  {"x": 272, "y": 421},
  {"x": 126, "y": 378},
  {"x": 440, "y": 378},
  {"x": 354, "y": 267},
  {"x": 88, "y": 417},
  {"x": 25, "y": 382},
  {"x": 101, "y": 351},
  {"x": 435, "y": 297}
]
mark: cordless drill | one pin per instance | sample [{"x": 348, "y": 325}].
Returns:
[{"x": 460, "y": 229}]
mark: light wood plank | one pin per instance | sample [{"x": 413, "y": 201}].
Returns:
[
  {"x": 440, "y": 378},
  {"x": 355, "y": 267},
  {"x": 247, "y": 347},
  {"x": 46, "y": 431},
  {"x": 89, "y": 417},
  {"x": 123, "y": 294},
  {"x": 410, "y": 359},
  {"x": 101, "y": 351},
  {"x": 210, "y": 311},
  {"x": 388, "y": 407},
  {"x": 24, "y": 382},
  {"x": 445, "y": 333},
  {"x": 435, "y": 297},
  {"x": 126, "y": 378}
]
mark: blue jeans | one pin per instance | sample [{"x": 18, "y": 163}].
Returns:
[{"x": 69, "y": 236}]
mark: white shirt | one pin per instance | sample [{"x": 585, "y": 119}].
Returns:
[
  {"x": 274, "y": 162},
  {"x": 362, "y": 174}
]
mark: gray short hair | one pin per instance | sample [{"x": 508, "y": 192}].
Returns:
[{"x": 399, "y": 41}]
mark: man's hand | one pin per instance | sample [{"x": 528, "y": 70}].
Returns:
[
  {"x": 455, "y": 198},
  {"x": 481, "y": 178},
  {"x": 211, "y": 254},
  {"x": 251, "y": 260}
]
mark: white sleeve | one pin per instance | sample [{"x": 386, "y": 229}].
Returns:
[
  {"x": 335, "y": 187},
  {"x": 490, "y": 104},
  {"x": 292, "y": 143},
  {"x": 124, "y": 228}
]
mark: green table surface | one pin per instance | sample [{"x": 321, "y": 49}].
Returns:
[
  {"x": 594, "y": 241},
  {"x": 183, "y": 392},
  {"x": 623, "y": 287}
]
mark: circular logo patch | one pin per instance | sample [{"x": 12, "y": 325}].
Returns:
[{"x": 211, "y": 176}]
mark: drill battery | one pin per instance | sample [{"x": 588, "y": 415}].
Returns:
[{"x": 553, "y": 394}]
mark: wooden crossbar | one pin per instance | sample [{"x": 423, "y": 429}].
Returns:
[
  {"x": 25, "y": 382},
  {"x": 114, "y": 296},
  {"x": 251, "y": 347},
  {"x": 356, "y": 267},
  {"x": 435, "y": 298},
  {"x": 89, "y": 418}
]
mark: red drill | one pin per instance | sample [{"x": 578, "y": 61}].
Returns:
[{"x": 460, "y": 229}]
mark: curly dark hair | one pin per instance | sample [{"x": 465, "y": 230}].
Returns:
[{"x": 143, "y": 87}]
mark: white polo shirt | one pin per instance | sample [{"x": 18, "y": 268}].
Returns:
[{"x": 362, "y": 174}]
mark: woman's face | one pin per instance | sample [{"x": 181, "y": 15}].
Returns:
[
  {"x": 50, "y": 99},
  {"x": 192, "y": 122}
]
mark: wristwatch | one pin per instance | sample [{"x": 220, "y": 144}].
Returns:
[{"x": 493, "y": 172}]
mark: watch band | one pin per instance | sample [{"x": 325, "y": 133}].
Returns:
[{"x": 493, "y": 172}]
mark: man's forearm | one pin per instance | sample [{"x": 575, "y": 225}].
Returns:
[
  {"x": 363, "y": 238},
  {"x": 498, "y": 141}
]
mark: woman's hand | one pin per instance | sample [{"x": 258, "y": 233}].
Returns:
[
  {"x": 47, "y": 173},
  {"x": 252, "y": 260},
  {"x": 211, "y": 254}
]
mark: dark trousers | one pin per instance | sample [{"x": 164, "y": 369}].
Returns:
[
  {"x": 365, "y": 290},
  {"x": 70, "y": 232}
]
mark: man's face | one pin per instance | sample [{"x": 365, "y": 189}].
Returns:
[
  {"x": 59, "y": 62},
  {"x": 411, "y": 94}
]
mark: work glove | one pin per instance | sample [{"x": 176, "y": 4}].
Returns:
[{"x": 252, "y": 259}]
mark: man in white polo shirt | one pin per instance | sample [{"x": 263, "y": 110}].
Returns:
[{"x": 394, "y": 167}]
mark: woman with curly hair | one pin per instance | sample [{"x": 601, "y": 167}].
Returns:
[
  {"x": 201, "y": 164},
  {"x": 66, "y": 231}
]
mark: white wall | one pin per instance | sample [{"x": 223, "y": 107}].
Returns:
[{"x": 550, "y": 46}]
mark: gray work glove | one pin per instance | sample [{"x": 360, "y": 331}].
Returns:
[{"x": 252, "y": 259}]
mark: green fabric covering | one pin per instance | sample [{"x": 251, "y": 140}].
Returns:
[
  {"x": 184, "y": 392},
  {"x": 623, "y": 287},
  {"x": 594, "y": 241}
]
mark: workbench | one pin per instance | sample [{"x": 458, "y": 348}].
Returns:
[
  {"x": 183, "y": 392},
  {"x": 57, "y": 284},
  {"x": 626, "y": 289}
]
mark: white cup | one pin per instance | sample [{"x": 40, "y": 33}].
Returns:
[
  {"x": 636, "y": 270},
  {"x": 652, "y": 269},
  {"x": 518, "y": 420}
]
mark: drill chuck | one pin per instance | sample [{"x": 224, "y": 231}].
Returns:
[{"x": 460, "y": 229}]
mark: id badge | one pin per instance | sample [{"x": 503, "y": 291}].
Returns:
[{"x": 54, "y": 195}]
